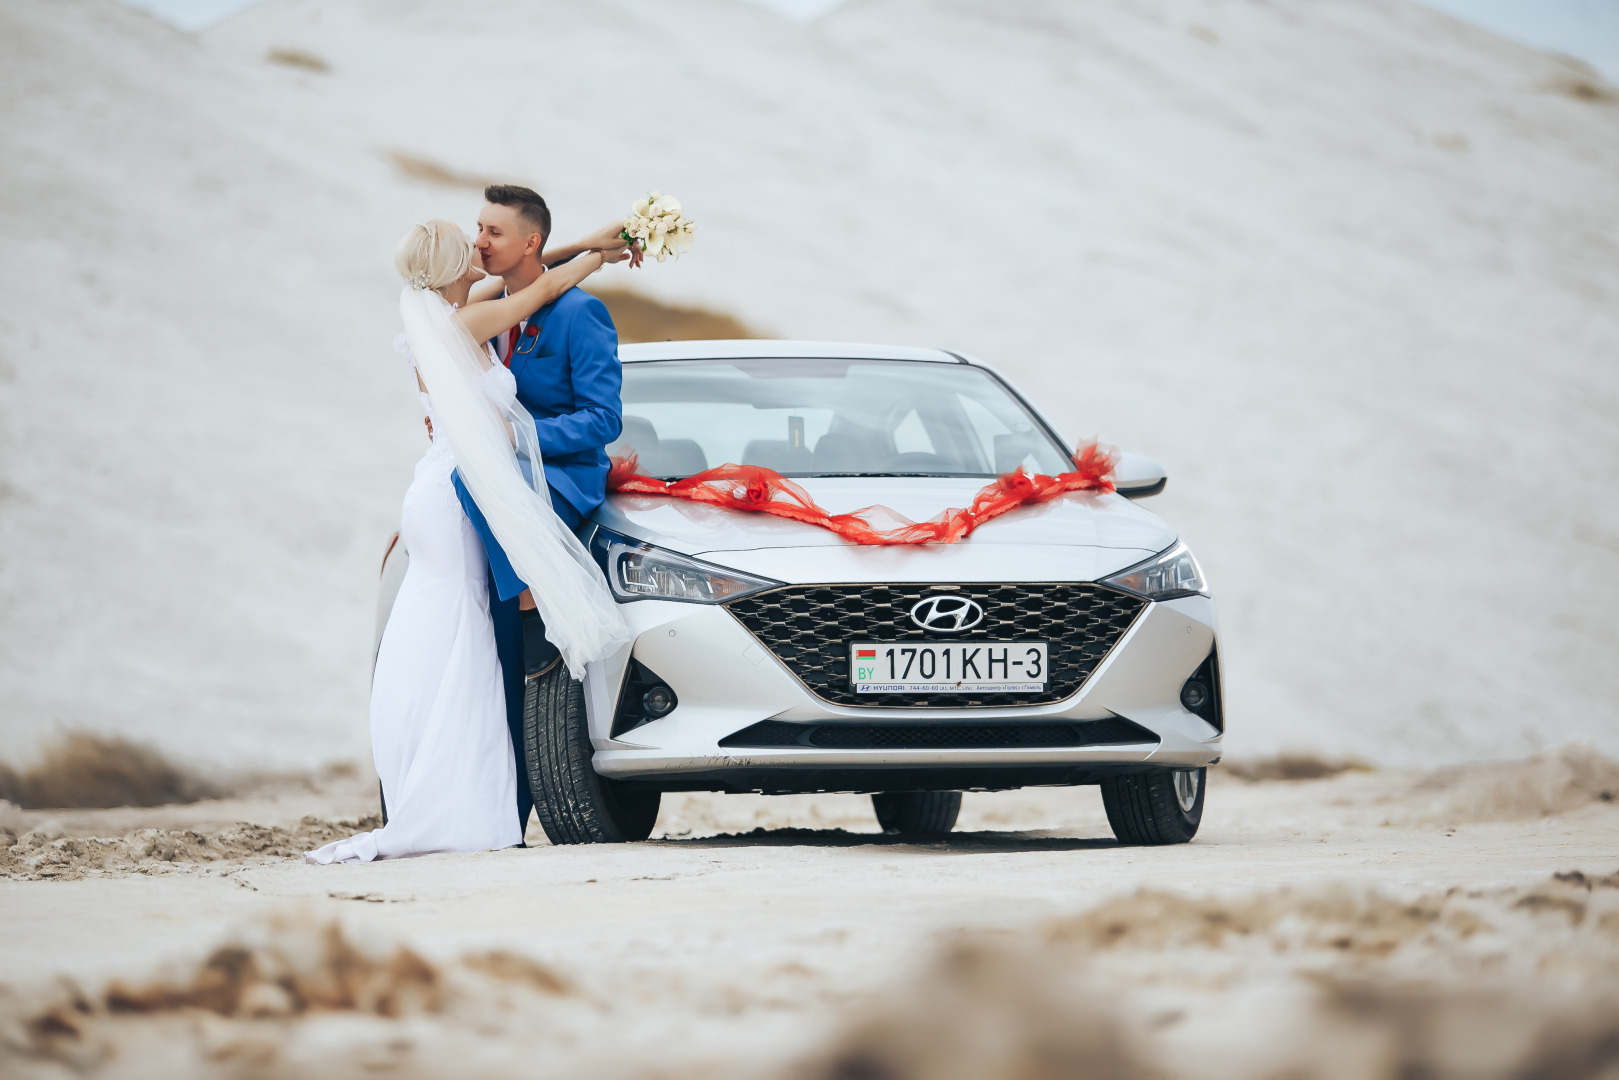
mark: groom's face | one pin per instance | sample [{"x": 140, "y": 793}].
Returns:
[{"x": 505, "y": 239}]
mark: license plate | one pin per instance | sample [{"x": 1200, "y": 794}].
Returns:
[{"x": 947, "y": 667}]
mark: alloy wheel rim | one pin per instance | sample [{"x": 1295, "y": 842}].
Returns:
[{"x": 1186, "y": 782}]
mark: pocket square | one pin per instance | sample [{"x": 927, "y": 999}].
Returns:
[{"x": 532, "y": 331}]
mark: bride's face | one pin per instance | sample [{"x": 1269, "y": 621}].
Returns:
[{"x": 475, "y": 271}]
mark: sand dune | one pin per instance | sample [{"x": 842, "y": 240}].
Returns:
[{"x": 1349, "y": 271}]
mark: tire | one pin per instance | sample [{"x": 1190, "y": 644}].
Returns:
[
  {"x": 575, "y": 804},
  {"x": 917, "y": 813},
  {"x": 1164, "y": 806}
]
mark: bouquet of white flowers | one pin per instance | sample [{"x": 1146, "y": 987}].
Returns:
[{"x": 657, "y": 227}]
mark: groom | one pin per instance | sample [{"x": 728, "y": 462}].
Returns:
[{"x": 565, "y": 360}]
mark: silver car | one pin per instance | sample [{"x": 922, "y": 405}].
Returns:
[{"x": 1071, "y": 642}]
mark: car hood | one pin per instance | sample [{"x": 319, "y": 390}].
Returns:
[{"x": 1113, "y": 531}]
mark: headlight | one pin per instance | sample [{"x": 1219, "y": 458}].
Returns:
[
  {"x": 1165, "y": 576},
  {"x": 639, "y": 571}
]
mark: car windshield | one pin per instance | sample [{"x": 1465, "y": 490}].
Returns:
[{"x": 826, "y": 417}]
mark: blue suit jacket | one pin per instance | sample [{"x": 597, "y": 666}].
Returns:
[{"x": 568, "y": 377}]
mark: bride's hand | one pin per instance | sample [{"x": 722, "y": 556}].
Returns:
[
  {"x": 607, "y": 236},
  {"x": 609, "y": 240}
]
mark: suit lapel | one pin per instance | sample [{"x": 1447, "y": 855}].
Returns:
[{"x": 528, "y": 342}]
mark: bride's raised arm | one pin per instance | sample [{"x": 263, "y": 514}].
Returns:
[{"x": 485, "y": 319}]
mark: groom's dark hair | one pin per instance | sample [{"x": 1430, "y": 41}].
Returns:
[{"x": 528, "y": 204}]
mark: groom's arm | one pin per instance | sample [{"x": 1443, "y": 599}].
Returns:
[{"x": 597, "y": 419}]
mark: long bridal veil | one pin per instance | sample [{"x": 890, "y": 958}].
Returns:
[{"x": 581, "y": 618}]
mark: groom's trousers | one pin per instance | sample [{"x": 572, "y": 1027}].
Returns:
[{"x": 509, "y": 629}]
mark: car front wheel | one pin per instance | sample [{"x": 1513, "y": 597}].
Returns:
[
  {"x": 1164, "y": 806},
  {"x": 575, "y": 804},
  {"x": 917, "y": 813}
]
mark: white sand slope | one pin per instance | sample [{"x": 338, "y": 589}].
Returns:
[{"x": 1348, "y": 269}]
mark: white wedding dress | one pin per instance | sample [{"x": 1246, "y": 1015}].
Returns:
[{"x": 438, "y": 704}]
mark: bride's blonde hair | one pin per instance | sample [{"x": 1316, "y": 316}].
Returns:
[{"x": 433, "y": 255}]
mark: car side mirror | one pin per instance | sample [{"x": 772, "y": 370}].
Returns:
[{"x": 1137, "y": 476}]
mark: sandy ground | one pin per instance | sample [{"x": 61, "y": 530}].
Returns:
[{"x": 1334, "y": 926}]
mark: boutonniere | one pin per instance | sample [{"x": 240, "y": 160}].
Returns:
[{"x": 532, "y": 331}]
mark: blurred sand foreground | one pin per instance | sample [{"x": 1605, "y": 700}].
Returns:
[{"x": 1453, "y": 922}]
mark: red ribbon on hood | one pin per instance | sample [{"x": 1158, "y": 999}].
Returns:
[{"x": 759, "y": 490}]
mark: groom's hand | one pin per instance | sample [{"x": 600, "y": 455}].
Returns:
[{"x": 428, "y": 420}]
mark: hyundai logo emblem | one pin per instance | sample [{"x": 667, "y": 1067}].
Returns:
[{"x": 947, "y": 614}]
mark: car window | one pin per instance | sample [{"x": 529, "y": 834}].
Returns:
[
  {"x": 823, "y": 417},
  {"x": 911, "y": 437},
  {"x": 1007, "y": 441}
]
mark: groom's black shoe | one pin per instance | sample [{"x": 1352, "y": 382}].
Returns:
[{"x": 539, "y": 655}]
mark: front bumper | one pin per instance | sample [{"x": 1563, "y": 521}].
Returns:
[{"x": 726, "y": 681}]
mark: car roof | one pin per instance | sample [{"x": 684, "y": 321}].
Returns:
[{"x": 766, "y": 348}]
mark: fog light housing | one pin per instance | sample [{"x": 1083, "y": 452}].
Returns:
[
  {"x": 646, "y": 697},
  {"x": 658, "y": 701},
  {"x": 1201, "y": 692}
]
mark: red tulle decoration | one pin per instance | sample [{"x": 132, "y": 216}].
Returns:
[{"x": 760, "y": 490}]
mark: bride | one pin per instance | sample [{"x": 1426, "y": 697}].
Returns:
[{"x": 438, "y": 712}]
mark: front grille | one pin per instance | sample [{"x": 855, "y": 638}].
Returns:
[
  {"x": 777, "y": 733},
  {"x": 809, "y": 627}
]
